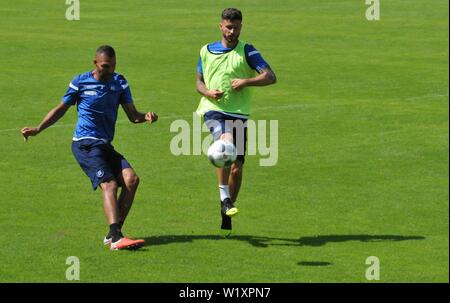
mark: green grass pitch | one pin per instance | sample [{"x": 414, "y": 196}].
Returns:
[{"x": 363, "y": 144}]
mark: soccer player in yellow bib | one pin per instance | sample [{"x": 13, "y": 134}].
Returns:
[{"x": 225, "y": 73}]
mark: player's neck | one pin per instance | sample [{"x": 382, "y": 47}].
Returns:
[
  {"x": 98, "y": 78},
  {"x": 227, "y": 44}
]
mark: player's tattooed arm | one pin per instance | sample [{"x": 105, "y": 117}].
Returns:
[
  {"x": 269, "y": 74},
  {"x": 266, "y": 77}
]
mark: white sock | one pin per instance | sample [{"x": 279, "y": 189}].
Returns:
[{"x": 224, "y": 193}]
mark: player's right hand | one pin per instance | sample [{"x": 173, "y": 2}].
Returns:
[
  {"x": 215, "y": 94},
  {"x": 29, "y": 131}
]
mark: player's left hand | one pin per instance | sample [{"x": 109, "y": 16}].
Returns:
[
  {"x": 151, "y": 117},
  {"x": 238, "y": 84}
]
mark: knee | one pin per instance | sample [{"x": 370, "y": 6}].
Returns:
[
  {"x": 236, "y": 169},
  {"x": 227, "y": 137},
  {"x": 109, "y": 186},
  {"x": 131, "y": 181}
]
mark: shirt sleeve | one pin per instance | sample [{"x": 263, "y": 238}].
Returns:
[
  {"x": 254, "y": 58},
  {"x": 72, "y": 94},
  {"x": 199, "y": 65},
  {"x": 125, "y": 95}
]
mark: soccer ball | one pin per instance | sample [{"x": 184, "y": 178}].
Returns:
[{"x": 222, "y": 153}]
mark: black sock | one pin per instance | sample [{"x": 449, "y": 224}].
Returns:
[
  {"x": 115, "y": 232},
  {"x": 109, "y": 235},
  {"x": 226, "y": 222}
]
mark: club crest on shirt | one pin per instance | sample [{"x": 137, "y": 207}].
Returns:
[{"x": 100, "y": 173}]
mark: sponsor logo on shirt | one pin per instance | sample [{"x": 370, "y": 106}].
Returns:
[
  {"x": 90, "y": 92},
  {"x": 94, "y": 86}
]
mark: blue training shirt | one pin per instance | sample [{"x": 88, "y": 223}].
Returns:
[
  {"x": 97, "y": 104},
  {"x": 254, "y": 58}
]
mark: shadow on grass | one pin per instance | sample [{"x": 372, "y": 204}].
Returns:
[
  {"x": 314, "y": 263},
  {"x": 322, "y": 240},
  {"x": 257, "y": 241}
]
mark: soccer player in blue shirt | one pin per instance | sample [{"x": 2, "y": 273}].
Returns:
[{"x": 97, "y": 95}]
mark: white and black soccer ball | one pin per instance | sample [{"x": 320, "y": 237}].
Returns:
[{"x": 222, "y": 153}]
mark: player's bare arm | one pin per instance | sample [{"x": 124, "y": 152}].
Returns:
[
  {"x": 203, "y": 90},
  {"x": 137, "y": 117},
  {"x": 53, "y": 115},
  {"x": 266, "y": 77}
]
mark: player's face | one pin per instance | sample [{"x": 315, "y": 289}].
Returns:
[
  {"x": 105, "y": 65},
  {"x": 231, "y": 29}
]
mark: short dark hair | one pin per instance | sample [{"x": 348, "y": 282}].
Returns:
[
  {"x": 107, "y": 50},
  {"x": 231, "y": 14}
]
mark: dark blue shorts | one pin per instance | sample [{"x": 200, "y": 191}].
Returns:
[
  {"x": 99, "y": 160},
  {"x": 220, "y": 123}
]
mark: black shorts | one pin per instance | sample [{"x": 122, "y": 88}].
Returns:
[
  {"x": 220, "y": 123},
  {"x": 99, "y": 160}
]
